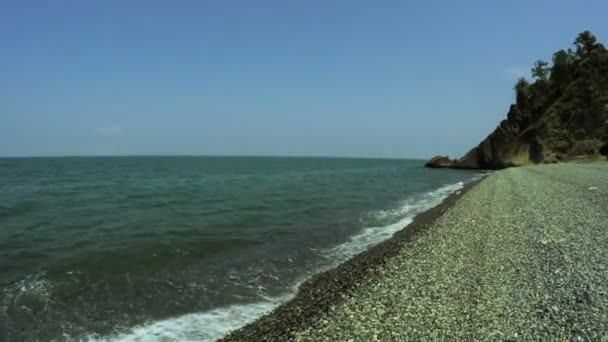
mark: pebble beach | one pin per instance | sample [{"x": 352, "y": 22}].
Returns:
[{"x": 519, "y": 255}]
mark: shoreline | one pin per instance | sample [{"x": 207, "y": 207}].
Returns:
[{"x": 326, "y": 289}]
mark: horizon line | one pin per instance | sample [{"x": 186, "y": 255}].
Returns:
[{"x": 199, "y": 155}]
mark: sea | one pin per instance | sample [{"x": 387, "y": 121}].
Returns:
[{"x": 187, "y": 248}]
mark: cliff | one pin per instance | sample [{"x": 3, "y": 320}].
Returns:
[{"x": 562, "y": 115}]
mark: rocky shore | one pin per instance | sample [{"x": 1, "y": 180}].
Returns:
[
  {"x": 320, "y": 294},
  {"x": 520, "y": 255}
]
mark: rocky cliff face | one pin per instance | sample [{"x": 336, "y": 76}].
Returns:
[{"x": 563, "y": 115}]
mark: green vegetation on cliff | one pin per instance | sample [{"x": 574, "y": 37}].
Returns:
[{"x": 561, "y": 115}]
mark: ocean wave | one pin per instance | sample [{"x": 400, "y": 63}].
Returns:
[
  {"x": 34, "y": 285},
  {"x": 28, "y": 298},
  {"x": 18, "y": 208},
  {"x": 214, "y": 324},
  {"x": 480, "y": 175},
  {"x": 399, "y": 216},
  {"x": 205, "y": 326}
]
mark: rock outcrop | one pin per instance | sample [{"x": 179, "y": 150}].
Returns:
[
  {"x": 440, "y": 161},
  {"x": 604, "y": 149},
  {"x": 562, "y": 115}
]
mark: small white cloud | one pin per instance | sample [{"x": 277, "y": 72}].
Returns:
[
  {"x": 111, "y": 131},
  {"x": 515, "y": 72}
]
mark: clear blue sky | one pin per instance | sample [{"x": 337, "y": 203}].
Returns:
[{"x": 332, "y": 78}]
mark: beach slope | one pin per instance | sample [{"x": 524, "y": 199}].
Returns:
[{"x": 521, "y": 255}]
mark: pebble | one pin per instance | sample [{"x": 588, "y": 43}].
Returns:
[{"x": 509, "y": 271}]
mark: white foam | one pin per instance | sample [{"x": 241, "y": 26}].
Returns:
[
  {"x": 368, "y": 237},
  {"x": 35, "y": 285},
  {"x": 214, "y": 324},
  {"x": 480, "y": 175},
  {"x": 446, "y": 190},
  {"x": 204, "y": 326},
  {"x": 403, "y": 214}
]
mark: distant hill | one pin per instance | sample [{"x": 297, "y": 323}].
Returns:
[{"x": 562, "y": 115}]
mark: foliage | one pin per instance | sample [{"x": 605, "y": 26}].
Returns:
[
  {"x": 569, "y": 96},
  {"x": 561, "y": 114},
  {"x": 585, "y": 43},
  {"x": 522, "y": 92},
  {"x": 540, "y": 70}
]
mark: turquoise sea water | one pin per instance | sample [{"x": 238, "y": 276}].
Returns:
[{"x": 186, "y": 248}]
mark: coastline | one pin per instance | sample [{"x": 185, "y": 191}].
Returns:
[
  {"x": 205, "y": 300},
  {"x": 327, "y": 289},
  {"x": 520, "y": 257}
]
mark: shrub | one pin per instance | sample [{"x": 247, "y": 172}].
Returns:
[{"x": 584, "y": 147}]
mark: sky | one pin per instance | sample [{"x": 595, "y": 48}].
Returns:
[{"x": 406, "y": 79}]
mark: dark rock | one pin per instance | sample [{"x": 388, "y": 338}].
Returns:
[
  {"x": 604, "y": 149},
  {"x": 440, "y": 161},
  {"x": 580, "y": 134},
  {"x": 549, "y": 122}
]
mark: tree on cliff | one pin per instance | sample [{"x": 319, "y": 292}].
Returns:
[
  {"x": 561, "y": 72},
  {"x": 585, "y": 43},
  {"x": 541, "y": 70},
  {"x": 562, "y": 113},
  {"x": 522, "y": 91},
  {"x": 568, "y": 101}
]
